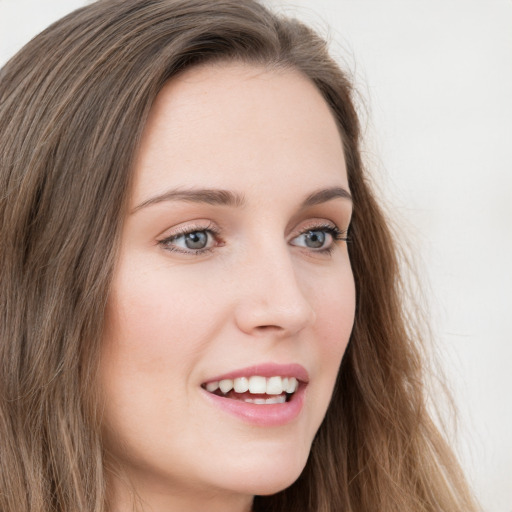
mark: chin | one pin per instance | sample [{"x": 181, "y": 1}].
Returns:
[
  {"x": 270, "y": 476},
  {"x": 274, "y": 486}
]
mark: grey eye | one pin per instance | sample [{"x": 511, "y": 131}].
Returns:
[
  {"x": 191, "y": 242},
  {"x": 196, "y": 240},
  {"x": 314, "y": 239}
]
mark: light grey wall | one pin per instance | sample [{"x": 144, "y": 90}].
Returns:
[{"x": 437, "y": 78}]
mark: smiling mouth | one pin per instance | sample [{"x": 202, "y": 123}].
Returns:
[{"x": 255, "y": 389}]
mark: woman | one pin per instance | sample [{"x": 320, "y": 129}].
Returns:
[{"x": 200, "y": 295}]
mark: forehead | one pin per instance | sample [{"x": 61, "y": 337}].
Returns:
[{"x": 240, "y": 126}]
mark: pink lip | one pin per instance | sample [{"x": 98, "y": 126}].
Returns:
[
  {"x": 264, "y": 415},
  {"x": 266, "y": 370}
]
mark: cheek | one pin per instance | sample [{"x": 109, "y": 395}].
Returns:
[
  {"x": 334, "y": 305},
  {"x": 155, "y": 321},
  {"x": 333, "y": 343},
  {"x": 335, "y": 309},
  {"x": 152, "y": 341}
]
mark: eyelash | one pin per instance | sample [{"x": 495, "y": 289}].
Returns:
[{"x": 337, "y": 236}]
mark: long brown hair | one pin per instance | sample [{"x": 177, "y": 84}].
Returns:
[{"x": 73, "y": 104}]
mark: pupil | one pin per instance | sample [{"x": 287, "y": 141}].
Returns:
[
  {"x": 315, "y": 239},
  {"x": 196, "y": 240}
]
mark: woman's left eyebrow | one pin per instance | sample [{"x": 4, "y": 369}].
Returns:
[{"x": 326, "y": 194}]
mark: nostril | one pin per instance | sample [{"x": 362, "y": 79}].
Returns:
[{"x": 269, "y": 328}]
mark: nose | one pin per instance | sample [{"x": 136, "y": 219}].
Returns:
[{"x": 270, "y": 297}]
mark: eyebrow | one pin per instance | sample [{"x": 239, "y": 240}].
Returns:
[
  {"x": 326, "y": 194},
  {"x": 236, "y": 200},
  {"x": 204, "y": 195}
]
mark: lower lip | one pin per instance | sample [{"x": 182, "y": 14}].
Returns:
[{"x": 263, "y": 415}]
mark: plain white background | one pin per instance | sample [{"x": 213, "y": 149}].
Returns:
[{"x": 436, "y": 79}]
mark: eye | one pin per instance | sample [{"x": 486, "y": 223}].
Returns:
[
  {"x": 319, "y": 238},
  {"x": 190, "y": 241}
]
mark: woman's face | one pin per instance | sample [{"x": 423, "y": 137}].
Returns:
[{"x": 233, "y": 271}]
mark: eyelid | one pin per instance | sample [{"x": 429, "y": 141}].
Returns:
[
  {"x": 312, "y": 223},
  {"x": 188, "y": 227},
  {"x": 319, "y": 225}
]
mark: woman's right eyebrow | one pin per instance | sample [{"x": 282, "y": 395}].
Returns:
[{"x": 204, "y": 195}]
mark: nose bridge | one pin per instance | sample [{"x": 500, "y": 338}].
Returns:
[{"x": 272, "y": 297}]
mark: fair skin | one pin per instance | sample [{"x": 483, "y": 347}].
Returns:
[{"x": 209, "y": 286}]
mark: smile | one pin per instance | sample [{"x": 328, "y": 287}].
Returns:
[
  {"x": 266, "y": 395},
  {"x": 255, "y": 389}
]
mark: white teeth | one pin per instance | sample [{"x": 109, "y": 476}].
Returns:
[
  {"x": 281, "y": 399},
  {"x": 257, "y": 385},
  {"x": 274, "y": 386},
  {"x": 212, "y": 386},
  {"x": 226, "y": 385},
  {"x": 292, "y": 385},
  {"x": 241, "y": 384}
]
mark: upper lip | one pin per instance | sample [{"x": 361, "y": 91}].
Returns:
[{"x": 266, "y": 370}]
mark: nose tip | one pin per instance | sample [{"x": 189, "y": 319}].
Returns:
[
  {"x": 267, "y": 318},
  {"x": 274, "y": 305}
]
